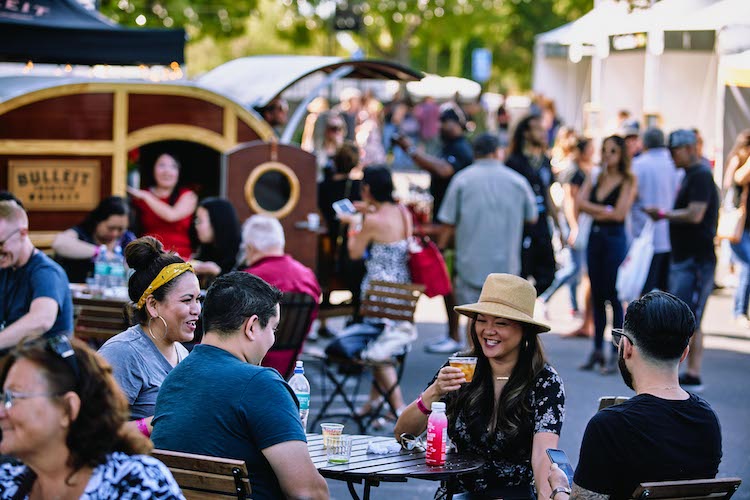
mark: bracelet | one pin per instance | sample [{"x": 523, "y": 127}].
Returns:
[
  {"x": 559, "y": 489},
  {"x": 662, "y": 214},
  {"x": 143, "y": 427},
  {"x": 422, "y": 407}
]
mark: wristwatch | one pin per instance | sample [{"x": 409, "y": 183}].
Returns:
[{"x": 559, "y": 489}]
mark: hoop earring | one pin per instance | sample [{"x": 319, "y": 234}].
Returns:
[
  {"x": 148, "y": 327},
  {"x": 525, "y": 343}
]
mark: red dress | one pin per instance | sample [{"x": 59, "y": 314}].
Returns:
[{"x": 173, "y": 235}]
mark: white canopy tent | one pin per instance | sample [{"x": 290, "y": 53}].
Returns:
[{"x": 662, "y": 62}]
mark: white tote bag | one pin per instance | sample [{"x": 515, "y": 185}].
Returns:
[{"x": 633, "y": 272}]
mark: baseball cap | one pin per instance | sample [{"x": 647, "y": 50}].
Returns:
[
  {"x": 681, "y": 137},
  {"x": 451, "y": 114},
  {"x": 629, "y": 128}
]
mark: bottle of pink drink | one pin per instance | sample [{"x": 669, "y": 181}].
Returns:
[{"x": 437, "y": 435}]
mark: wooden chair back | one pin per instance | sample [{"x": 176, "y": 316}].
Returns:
[
  {"x": 607, "y": 401},
  {"x": 98, "y": 319},
  {"x": 296, "y": 318},
  {"x": 394, "y": 301},
  {"x": 204, "y": 477},
  {"x": 701, "y": 489}
]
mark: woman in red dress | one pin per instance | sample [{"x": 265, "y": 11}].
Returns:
[{"x": 164, "y": 210}]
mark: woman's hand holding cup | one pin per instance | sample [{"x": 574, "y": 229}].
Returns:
[{"x": 449, "y": 379}]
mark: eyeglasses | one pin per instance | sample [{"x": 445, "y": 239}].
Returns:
[
  {"x": 9, "y": 397},
  {"x": 2, "y": 243},
  {"x": 618, "y": 334}
]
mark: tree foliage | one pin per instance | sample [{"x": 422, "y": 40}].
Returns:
[{"x": 433, "y": 35}]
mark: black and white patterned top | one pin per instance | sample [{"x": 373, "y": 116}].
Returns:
[
  {"x": 508, "y": 459},
  {"x": 387, "y": 262},
  {"x": 122, "y": 476}
]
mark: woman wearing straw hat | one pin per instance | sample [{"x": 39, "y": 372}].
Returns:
[{"x": 513, "y": 408}]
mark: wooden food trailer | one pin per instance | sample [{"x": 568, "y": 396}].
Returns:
[{"x": 66, "y": 143}]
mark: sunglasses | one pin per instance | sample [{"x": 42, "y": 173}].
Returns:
[
  {"x": 618, "y": 334},
  {"x": 410, "y": 442},
  {"x": 335, "y": 128}
]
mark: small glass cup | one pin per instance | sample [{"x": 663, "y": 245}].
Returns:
[
  {"x": 339, "y": 449},
  {"x": 330, "y": 431},
  {"x": 466, "y": 364}
]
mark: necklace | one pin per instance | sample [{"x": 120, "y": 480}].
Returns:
[{"x": 502, "y": 378}]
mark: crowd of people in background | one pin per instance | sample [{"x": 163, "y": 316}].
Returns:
[{"x": 493, "y": 200}]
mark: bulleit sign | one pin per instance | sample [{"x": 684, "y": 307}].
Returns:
[{"x": 55, "y": 184}]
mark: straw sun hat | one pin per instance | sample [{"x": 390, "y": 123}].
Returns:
[{"x": 506, "y": 296}]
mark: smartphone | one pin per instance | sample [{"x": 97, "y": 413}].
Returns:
[
  {"x": 344, "y": 206},
  {"x": 561, "y": 459}
]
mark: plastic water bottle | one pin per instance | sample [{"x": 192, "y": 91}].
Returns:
[
  {"x": 101, "y": 269},
  {"x": 437, "y": 435},
  {"x": 117, "y": 269},
  {"x": 301, "y": 388}
]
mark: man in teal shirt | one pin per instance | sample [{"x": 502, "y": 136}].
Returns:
[{"x": 220, "y": 402}]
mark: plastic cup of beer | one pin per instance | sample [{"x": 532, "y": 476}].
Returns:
[
  {"x": 466, "y": 364},
  {"x": 330, "y": 431},
  {"x": 339, "y": 449}
]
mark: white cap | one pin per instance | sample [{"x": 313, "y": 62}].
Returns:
[
  {"x": 438, "y": 406},
  {"x": 299, "y": 364}
]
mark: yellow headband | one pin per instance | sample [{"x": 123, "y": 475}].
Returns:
[{"x": 166, "y": 275}]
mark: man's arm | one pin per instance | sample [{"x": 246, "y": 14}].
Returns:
[
  {"x": 432, "y": 164},
  {"x": 692, "y": 214},
  {"x": 579, "y": 493},
  {"x": 40, "y": 318},
  {"x": 295, "y": 471},
  {"x": 557, "y": 479}
]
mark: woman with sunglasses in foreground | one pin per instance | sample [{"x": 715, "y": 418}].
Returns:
[
  {"x": 513, "y": 408},
  {"x": 62, "y": 415},
  {"x": 164, "y": 309}
]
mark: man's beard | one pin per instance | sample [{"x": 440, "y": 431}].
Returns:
[{"x": 627, "y": 377}]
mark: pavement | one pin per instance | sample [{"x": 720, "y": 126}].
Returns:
[{"x": 725, "y": 368}]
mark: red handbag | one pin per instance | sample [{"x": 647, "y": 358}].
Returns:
[{"x": 426, "y": 265}]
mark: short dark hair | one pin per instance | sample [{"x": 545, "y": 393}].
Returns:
[
  {"x": 380, "y": 181},
  {"x": 653, "y": 137},
  {"x": 485, "y": 144},
  {"x": 234, "y": 297},
  {"x": 8, "y": 196},
  {"x": 661, "y": 325},
  {"x": 346, "y": 157}
]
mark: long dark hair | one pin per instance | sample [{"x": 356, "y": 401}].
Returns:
[
  {"x": 175, "y": 195},
  {"x": 227, "y": 234},
  {"x": 112, "y": 205},
  {"x": 380, "y": 181},
  {"x": 476, "y": 401},
  {"x": 99, "y": 428},
  {"x": 518, "y": 141},
  {"x": 623, "y": 166}
]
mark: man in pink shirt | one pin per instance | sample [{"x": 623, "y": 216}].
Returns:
[{"x": 263, "y": 243}]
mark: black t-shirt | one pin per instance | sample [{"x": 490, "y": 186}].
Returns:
[
  {"x": 459, "y": 154},
  {"x": 540, "y": 177},
  {"x": 648, "y": 439},
  {"x": 696, "y": 240}
]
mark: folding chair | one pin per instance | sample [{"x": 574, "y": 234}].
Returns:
[
  {"x": 382, "y": 300},
  {"x": 701, "y": 489},
  {"x": 296, "y": 318},
  {"x": 97, "y": 320}
]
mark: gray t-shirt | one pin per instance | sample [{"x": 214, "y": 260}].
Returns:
[
  {"x": 488, "y": 203},
  {"x": 139, "y": 368}
]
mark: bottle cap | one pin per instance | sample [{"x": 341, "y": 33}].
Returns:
[
  {"x": 299, "y": 368},
  {"x": 438, "y": 406}
]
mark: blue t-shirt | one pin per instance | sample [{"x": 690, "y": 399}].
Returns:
[
  {"x": 40, "y": 277},
  {"x": 214, "y": 404}
]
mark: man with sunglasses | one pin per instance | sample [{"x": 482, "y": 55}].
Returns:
[
  {"x": 663, "y": 433},
  {"x": 275, "y": 113},
  {"x": 34, "y": 290}
]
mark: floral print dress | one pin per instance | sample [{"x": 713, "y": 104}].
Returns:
[{"x": 508, "y": 459}]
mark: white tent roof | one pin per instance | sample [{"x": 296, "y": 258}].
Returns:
[
  {"x": 663, "y": 15},
  {"x": 718, "y": 15},
  {"x": 589, "y": 28}
]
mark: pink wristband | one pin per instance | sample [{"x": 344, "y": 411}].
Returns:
[
  {"x": 143, "y": 427},
  {"x": 422, "y": 407}
]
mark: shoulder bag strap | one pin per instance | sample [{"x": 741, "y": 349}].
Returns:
[{"x": 408, "y": 230}]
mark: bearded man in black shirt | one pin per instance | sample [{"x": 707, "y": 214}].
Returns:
[{"x": 663, "y": 433}]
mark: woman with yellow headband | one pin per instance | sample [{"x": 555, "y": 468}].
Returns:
[{"x": 164, "y": 309}]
